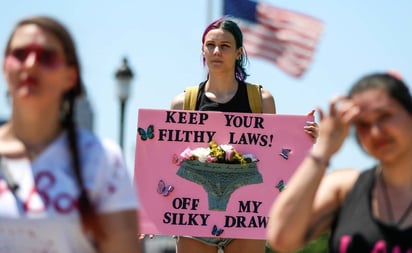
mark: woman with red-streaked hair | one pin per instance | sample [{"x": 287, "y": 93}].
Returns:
[{"x": 226, "y": 90}]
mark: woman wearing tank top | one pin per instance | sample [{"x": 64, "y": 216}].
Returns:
[
  {"x": 225, "y": 90},
  {"x": 369, "y": 211}
]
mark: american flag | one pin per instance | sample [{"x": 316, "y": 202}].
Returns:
[{"x": 284, "y": 37}]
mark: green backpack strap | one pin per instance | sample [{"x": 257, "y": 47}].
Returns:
[
  {"x": 255, "y": 97},
  {"x": 190, "y": 98}
]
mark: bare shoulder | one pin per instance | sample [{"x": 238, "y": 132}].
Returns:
[
  {"x": 178, "y": 101},
  {"x": 332, "y": 191},
  {"x": 268, "y": 102},
  {"x": 266, "y": 93},
  {"x": 348, "y": 175},
  {"x": 342, "y": 180}
]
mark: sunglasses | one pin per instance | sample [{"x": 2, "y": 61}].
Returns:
[{"x": 46, "y": 57}]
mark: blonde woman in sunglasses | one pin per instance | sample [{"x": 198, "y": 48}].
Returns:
[{"x": 62, "y": 189}]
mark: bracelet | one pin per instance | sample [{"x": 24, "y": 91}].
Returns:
[{"x": 319, "y": 160}]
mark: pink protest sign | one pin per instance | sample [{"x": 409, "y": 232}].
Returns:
[{"x": 181, "y": 195}]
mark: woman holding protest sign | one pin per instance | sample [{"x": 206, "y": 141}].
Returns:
[
  {"x": 368, "y": 211},
  {"x": 61, "y": 188},
  {"x": 226, "y": 90}
]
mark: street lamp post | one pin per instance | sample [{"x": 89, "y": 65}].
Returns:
[{"x": 124, "y": 76}]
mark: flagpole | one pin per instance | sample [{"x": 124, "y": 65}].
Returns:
[
  {"x": 209, "y": 11},
  {"x": 209, "y": 19}
]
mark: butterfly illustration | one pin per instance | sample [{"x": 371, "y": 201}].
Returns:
[
  {"x": 281, "y": 185},
  {"x": 146, "y": 134},
  {"x": 217, "y": 231},
  {"x": 285, "y": 153},
  {"x": 164, "y": 189}
]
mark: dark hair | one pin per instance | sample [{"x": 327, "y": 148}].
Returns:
[
  {"x": 394, "y": 86},
  {"x": 56, "y": 28},
  {"x": 228, "y": 25}
]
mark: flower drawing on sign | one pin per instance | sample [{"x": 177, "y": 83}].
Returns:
[
  {"x": 220, "y": 169},
  {"x": 216, "y": 153}
]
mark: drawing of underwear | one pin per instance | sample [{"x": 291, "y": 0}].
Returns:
[{"x": 220, "y": 180}]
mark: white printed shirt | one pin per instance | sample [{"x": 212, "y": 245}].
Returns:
[{"x": 43, "y": 216}]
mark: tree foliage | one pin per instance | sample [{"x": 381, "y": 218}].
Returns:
[{"x": 319, "y": 245}]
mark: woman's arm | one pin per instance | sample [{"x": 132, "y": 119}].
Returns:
[
  {"x": 308, "y": 205},
  {"x": 121, "y": 232},
  {"x": 177, "y": 102}
]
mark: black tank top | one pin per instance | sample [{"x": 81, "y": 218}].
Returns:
[
  {"x": 356, "y": 230},
  {"x": 239, "y": 102}
]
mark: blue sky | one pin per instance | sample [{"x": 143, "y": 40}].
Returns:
[{"x": 162, "y": 40}]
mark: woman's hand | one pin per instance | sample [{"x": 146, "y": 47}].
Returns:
[
  {"x": 120, "y": 232},
  {"x": 334, "y": 127},
  {"x": 312, "y": 128},
  {"x": 142, "y": 236}
]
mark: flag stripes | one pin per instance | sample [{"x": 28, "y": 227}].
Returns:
[{"x": 283, "y": 37}]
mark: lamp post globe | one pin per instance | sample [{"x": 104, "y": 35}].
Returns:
[{"x": 124, "y": 76}]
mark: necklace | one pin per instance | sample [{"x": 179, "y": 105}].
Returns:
[{"x": 389, "y": 204}]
